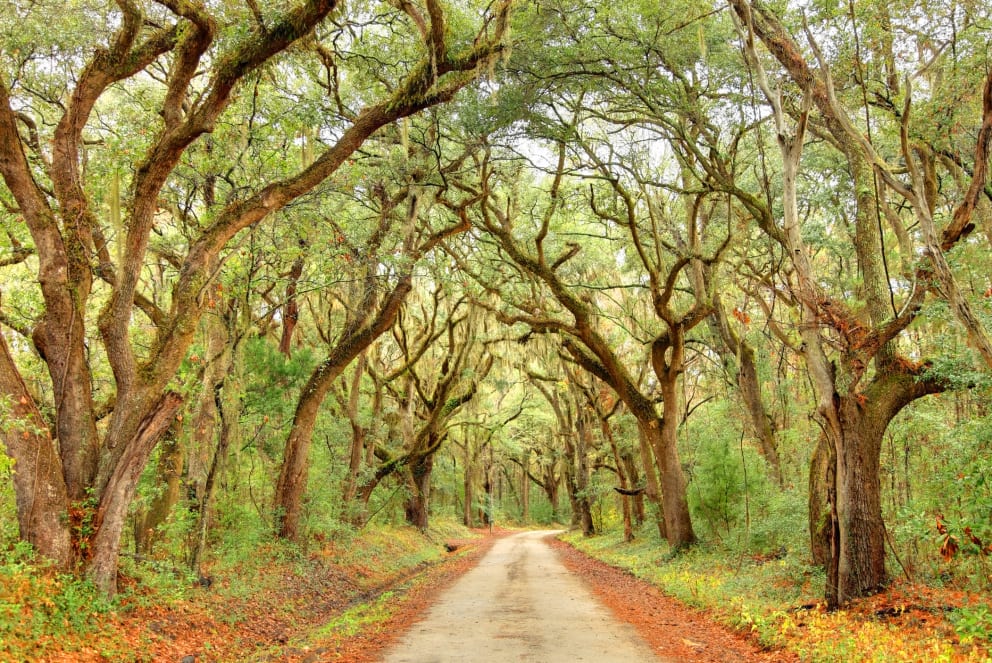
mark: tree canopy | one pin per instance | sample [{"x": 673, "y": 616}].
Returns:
[{"x": 456, "y": 250}]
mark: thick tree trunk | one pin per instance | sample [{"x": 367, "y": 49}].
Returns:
[
  {"x": 418, "y": 504},
  {"x": 75, "y": 426},
  {"x": 668, "y": 361},
  {"x": 848, "y": 526},
  {"x": 675, "y": 503},
  {"x": 861, "y": 529},
  {"x": 292, "y": 482},
  {"x": 846, "y": 523},
  {"x": 39, "y": 487},
  {"x": 112, "y": 512}
]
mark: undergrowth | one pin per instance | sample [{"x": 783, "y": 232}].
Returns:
[
  {"x": 775, "y": 595},
  {"x": 39, "y": 606},
  {"x": 164, "y": 611}
]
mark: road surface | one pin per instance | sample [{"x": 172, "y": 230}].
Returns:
[{"x": 519, "y": 604}]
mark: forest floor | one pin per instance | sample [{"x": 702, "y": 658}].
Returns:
[
  {"x": 348, "y": 602},
  {"x": 341, "y": 602}
]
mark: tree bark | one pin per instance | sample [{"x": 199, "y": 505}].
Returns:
[
  {"x": 39, "y": 487},
  {"x": 653, "y": 488},
  {"x": 227, "y": 426},
  {"x": 674, "y": 502},
  {"x": 417, "y": 506},
  {"x": 111, "y": 514},
  {"x": 571, "y": 488},
  {"x": 847, "y": 528},
  {"x": 822, "y": 501},
  {"x": 525, "y": 488},
  {"x": 468, "y": 508}
]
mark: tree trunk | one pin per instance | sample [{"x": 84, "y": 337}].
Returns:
[
  {"x": 485, "y": 509},
  {"x": 668, "y": 361},
  {"x": 550, "y": 487},
  {"x": 631, "y": 467},
  {"x": 112, "y": 512},
  {"x": 653, "y": 490},
  {"x": 583, "y": 442},
  {"x": 845, "y": 500},
  {"x": 861, "y": 567},
  {"x": 761, "y": 421},
  {"x": 358, "y": 436},
  {"x": 418, "y": 504},
  {"x": 38, "y": 483},
  {"x": 571, "y": 488},
  {"x": 292, "y": 482},
  {"x": 467, "y": 510},
  {"x": 291, "y": 309},
  {"x": 227, "y": 424},
  {"x": 678, "y": 523},
  {"x": 852, "y": 530},
  {"x": 822, "y": 498},
  {"x": 738, "y": 357},
  {"x": 220, "y": 361}
]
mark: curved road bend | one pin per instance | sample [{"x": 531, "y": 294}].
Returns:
[{"x": 519, "y": 604}]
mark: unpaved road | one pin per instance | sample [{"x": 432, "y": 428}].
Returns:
[{"x": 520, "y": 604}]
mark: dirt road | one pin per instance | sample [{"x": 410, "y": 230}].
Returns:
[{"x": 520, "y": 604}]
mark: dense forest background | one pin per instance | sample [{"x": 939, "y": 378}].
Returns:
[{"x": 710, "y": 275}]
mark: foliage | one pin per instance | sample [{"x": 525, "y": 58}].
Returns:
[
  {"x": 39, "y": 606},
  {"x": 613, "y": 170},
  {"x": 8, "y": 504},
  {"x": 973, "y": 623}
]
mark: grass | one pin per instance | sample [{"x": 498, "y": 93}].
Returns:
[
  {"x": 778, "y": 599},
  {"x": 354, "y": 620}
]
